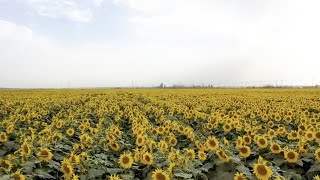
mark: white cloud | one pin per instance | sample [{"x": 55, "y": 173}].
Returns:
[
  {"x": 70, "y": 9},
  {"x": 175, "y": 41},
  {"x": 98, "y": 3}
]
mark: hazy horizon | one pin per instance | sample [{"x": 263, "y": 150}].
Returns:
[{"x": 124, "y": 43}]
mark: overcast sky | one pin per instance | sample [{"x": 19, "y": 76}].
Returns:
[{"x": 90, "y": 43}]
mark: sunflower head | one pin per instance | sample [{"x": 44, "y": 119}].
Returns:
[
  {"x": 244, "y": 151},
  {"x": 212, "y": 143},
  {"x": 159, "y": 174},
  {"x": 45, "y": 154},
  {"x": 114, "y": 177},
  {"x": 262, "y": 171},
  {"x": 275, "y": 148},
  {"x": 70, "y": 132},
  {"x": 6, "y": 164},
  {"x": 202, "y": 155},
  {"x": 25, "y": 149},
  {"x": 239, "y": 176},
  {"x": 66, "y": 168},
  {"x": 126, "y": 160},
  {"x": 17, "y": 176},
  {"x": 3, "y": 137},
  {"x": 291, "y": 156},
  {"x": 147, "y": 158}
]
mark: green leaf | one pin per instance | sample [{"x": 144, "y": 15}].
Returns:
[
  {"x": 243, "y": 169},
  {"x": 278, "y": 162},
  {"x": 28, "y": 166},
  {"x": 54, "y": 164},
  {"x": 183, "y": 175},
  {"x": 2, "y": 152},
  {"x": 300, "y": 163},
  {"x": 5, "y": 177},
  {"x": 127, "y": 176},
  {"x": 314, "y": 168},
  {"x": 42, "y": 174},
  {"x": 114, "y": 170},
  {"x": 92, "y": 173},
  {"x": 207, "y": 166}
]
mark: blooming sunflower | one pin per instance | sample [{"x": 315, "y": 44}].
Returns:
[
  {"x": 245, "y": 151},
  {"x": 223, "y": 156},
  {"x": 317, "y": 177},
  {"x": 147, "y": 158},
  {"x": 45, "y": 154},
  {"x": 114, "y": 177},
  {"x": 140, "y": 140},
  {"x": 66, "y": 168},
  {"x": 70, "y": 132},
  {"x": 3, "y": 137},
  {"x": 239, "y": 176},
  {"x": 317, "y": 154},
  {"x": 212, "y": 143},
  {"x": 126, "y": 160},
  {"x": 310, "y": 135},
  {"x": 114, "y": 146},
  {"x": 202, "y": 155},
  {"x": 17, "y": 176},
  {"x": 6, "y": 164},
  {"x": 262, "y": 142},
  {"x": 275, "y": 148},
  {"x": 190, "y": 153},
  {"x": 262, "y": 171},
  {"x": 25, "y": 149},
  {"x": 159, "y": 174},
  {"x": 291, "y": 156}
]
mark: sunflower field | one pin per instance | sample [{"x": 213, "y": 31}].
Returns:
[{"x": 160, "y": 134}]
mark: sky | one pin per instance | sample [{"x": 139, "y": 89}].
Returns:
[{"x": 120, "y": 43}]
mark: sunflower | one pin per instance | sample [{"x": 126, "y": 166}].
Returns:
[
  {"x": 147, "y": 158},
  {"x": 159, "y": 174},
  {"x": 202, "y": 155},
  {"x": 223, "y": 156},
  {"x": 171, "y": 168},
  {"x": 126, "y": 160},
  {"x": 239, "y": 176},
  {"x": 272, "y": 133},
  {"x": 114, "y": 177},
  {"x": 291, "y": 156},
  {"x": 227, "y": 127},
  {"x": 70, "y": 132},
  {"x": 3, "y": 137},
  {"x": 190, "y": 153},
  {"x": 245, "y": 151},
  {"x": 25, "y": 149},
  {"x": 275, "y": 148},
  {"x": 84, "y": 156},
  {"x": 74, "y": 158},
  {"x": 17, "y": 176},
  {"x": 114, "y": 146},
  {"x": 140, "y": 140},
  {"x": 310, "y": 135},
  {"x": 226, "y": 142},
  {"x": 317, "y": 177},
  {"x": 247, "y": 140},
  {"x": 45, "y": 154},
  {"x": 173, "y": 142},
  {"x": 317, "y": 136},
  {"x": 262, "y": 171},
  {"x": 6, "y": 164},
  {"x": 317, "y": 154},
  {"x": 66, "y": 168},
  {"x": 262, "y": 142},
  {"x": 212, "y": 143}
]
